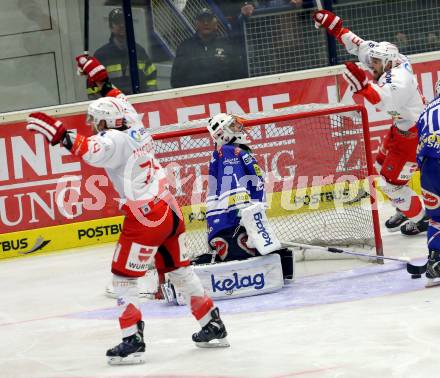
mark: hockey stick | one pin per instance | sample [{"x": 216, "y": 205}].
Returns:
[
  {"x": 86, "y": 27},
  {"x": 319, "y": 4},
  {"x": 412, "y": 269}
]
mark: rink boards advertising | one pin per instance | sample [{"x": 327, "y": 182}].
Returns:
[{"x": 36, "y": 178}]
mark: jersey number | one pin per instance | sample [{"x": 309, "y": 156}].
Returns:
[{"x": 149, "y": 165}]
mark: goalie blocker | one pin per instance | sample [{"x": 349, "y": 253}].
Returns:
[{"x": 259, "y": 231}]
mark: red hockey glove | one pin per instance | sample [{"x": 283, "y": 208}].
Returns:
[
  {"x": 50, "y": 127},
  {"x": 328, "y": 20},
  {"x": 91, "y": 67},
  {"x": 355, "y": 77}
]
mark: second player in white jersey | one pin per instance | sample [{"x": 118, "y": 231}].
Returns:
[{"x": 394, "y": 90}]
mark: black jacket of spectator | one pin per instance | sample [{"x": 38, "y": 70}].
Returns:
[
  {"x": 117, "y": 64},
  {"x": 202, "y": 62}
]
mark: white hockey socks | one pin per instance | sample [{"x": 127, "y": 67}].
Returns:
[
  {"x": 126, "y": 291},
  {"x": 186, "y": 281}
]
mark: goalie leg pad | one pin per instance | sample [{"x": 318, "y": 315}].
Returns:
[
  {"x": 235, "y": 279},
  {"x": 260, "y": 233}
]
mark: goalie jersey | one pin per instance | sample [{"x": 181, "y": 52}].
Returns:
[
  {"x": 235, "y": 180},
  {"x": 428, "y": 129}
]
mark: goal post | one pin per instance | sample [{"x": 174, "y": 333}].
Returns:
[{"x": 319, "y": 175}]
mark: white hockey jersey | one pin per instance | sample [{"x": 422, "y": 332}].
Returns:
[
  {"x": 396, "y": 91},
  {"x": 128, "y": 159}
]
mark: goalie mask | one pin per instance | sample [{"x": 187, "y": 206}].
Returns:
[
  {"x": 108, "y": 109},
  {"x": 437, "y": 88},
  {"x": 386, "y": 52},
  {"x": 226, "y": 128}
]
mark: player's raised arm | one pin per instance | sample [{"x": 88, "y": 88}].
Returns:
[
  {"x": 354, "y": 44},
  {"x": 97, "y": 75}
]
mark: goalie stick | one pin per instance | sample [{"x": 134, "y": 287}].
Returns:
[{"x": 412, "y": 269}]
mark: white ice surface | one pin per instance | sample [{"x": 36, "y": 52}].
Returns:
[{"x": 45, "y": 332}]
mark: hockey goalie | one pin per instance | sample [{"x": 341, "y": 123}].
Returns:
[{"x": 246, "y": 257}]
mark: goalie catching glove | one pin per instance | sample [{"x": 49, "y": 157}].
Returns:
[
  {"x": 355, "y": 77},
  {"x": 50, "y": 127}
]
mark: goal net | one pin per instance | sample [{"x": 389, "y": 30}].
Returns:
[{"x": 318, "y": 174}]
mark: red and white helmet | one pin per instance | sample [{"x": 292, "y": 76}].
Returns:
[
  {"x": 109, "y": 109},
  {"x": 386, "y": 52},
  {"x": 226, "y": 128}
]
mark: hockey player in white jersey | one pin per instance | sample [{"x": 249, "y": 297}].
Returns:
[
  {"x": 395, "y": 91},
  {"x": 153, "y": 232}
]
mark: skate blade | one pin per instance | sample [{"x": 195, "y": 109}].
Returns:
[
  {"x": 132, "y": 359},
  {"x": 216, "y": 343},
  {"x": 432, "y": 282}
]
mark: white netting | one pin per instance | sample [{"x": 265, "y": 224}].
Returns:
[{"x": 315, "y": 168}]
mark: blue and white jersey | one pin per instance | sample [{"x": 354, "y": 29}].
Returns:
[
  {"x": 235, "y": 180},
  {"x": 428, "y": 128}
]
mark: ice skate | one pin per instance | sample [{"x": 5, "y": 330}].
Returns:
[
  {"x": 395, "y": 222},
  {"x": 433, "y": 269},
  {"x": 212, "y": 335},
  {"x": 411, "y": 228},
  {"x": 131, "y": 351}
]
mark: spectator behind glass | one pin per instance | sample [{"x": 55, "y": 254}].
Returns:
[
  {"x": 205, "y": 57},
  {"x": 401, "y": 40},
  {"x": 114, "y": 55}
]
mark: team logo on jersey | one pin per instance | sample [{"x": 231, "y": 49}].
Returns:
[
  {"x": 231, "y": 161},
  {"x": 219, "y": 52},
  {"x": 431, "y": 200},
  {"x": 138, "y": 134}
]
